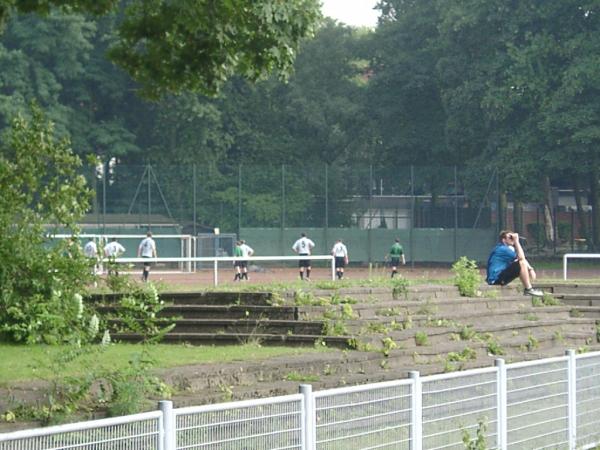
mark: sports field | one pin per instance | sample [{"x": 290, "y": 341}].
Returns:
[{"x": 204, "y": 278}]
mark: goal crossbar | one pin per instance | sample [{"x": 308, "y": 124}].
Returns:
[{"x": 568, "y": 256}]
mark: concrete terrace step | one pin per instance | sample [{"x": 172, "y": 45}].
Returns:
[
  {"x": 590, "y": 312},
  {"x": 200, "y": 298},
  {"x": 222, "y": 338},
  {"x": 287, "y": 327},
  {"x": 569, "y": 288},
  {"x": 222, "y": 311},
  {"x": 440, "y": 307},
  {"x": 579, "y": 299},
  {"x": 420, "y": 293},
  {"x": 458, "y": 319}
]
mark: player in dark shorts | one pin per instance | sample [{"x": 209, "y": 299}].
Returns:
[
  {"x": 303, "y": 247},
  {"x": 396, "y": 254},
  {"x": 340, "y": 253},
  {"x": 507, "y": 262}
]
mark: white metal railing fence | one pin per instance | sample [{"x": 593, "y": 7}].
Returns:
[
  {"x": 552, "y": 403},
  {"x": 136, "y": 432},
  {"x": 219, "y": 259}
]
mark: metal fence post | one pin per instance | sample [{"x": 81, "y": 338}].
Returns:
[
  {"x": 416, "y": 422},
  {"x": 572, "y": 403},
  {"x": 309, "y": 422},
  {"x": 501, "y": 404},
  {"x": 168, "y": 432}
]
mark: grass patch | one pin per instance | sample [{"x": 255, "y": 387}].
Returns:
[{"x": 21, "y": 362}]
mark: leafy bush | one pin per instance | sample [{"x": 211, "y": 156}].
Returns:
[
  {"x": 139, "y": 312},
  {"x": 43, "y": 282},
  {"x": 466, "y": 276},
  {"x": 131, "y": 388}
]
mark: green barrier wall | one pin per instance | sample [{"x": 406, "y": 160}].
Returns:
[{"x": 425, "y": 245}]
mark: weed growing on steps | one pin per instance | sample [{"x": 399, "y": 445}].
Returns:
[
  {"x": 546, "y": 300},
  {"x": 466, "y": 277},
  {"x": 479, "y": 442},
  {"x": 298, "y": 377},
  {"x": 399, "y": 288},
  {"x": 388, "y": 345},
  {"x": 467, "y": 333},
  {"x": 226, "y": 392},
  {"x": 421, "y": 338},
  {"x": 532, "y": 343},
  {"x": 494, "y": 348}
]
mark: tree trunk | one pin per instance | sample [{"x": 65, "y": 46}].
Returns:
[
  {"x": 595, "y": 198},
  {"x": 518, "y": 216},
  {"x": 581, "y": 216},
  {"x": 548, "y": 209}
]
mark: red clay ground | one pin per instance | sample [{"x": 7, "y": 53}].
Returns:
[{"x": 204, "y": 277}]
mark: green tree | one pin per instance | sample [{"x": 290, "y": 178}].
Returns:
[
  {"x": 41, "y": 283},
  {"x": 190, "y": 45}
]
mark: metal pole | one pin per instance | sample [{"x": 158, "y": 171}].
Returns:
[
  {"x": 412, "y": 216},
  {"x": 572, "y": 399},
  {"x": 416, "y": 422},
  {"x": 333, "y": 270},
  {"x": 326, "y": 197},
  {"x": 149, "y": 197},
  {"x": 282, "y": 196},
  {"x": 455, "y": 214},
  {"x": 309, "y": 422},
  {"x": 326, "y": 204},
  {"x": 282, "y": 232},
  {"x": 194, "y": 187},
  {"x": 369, "y": 255},
  {"x": 501, "y": 402},
  {"x": 168, "y": 432},
  {"x": 239, "y": 200},
  {"x": 215, "y": 272},
  {"x": 104, "y": 198}
]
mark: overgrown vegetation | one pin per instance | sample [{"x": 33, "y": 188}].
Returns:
[
  {"x": 138, "y": 312},
  {"x": 120, "y": 391},
  {"x": 43, "y": 283},
  {"x": 466, "y": 277}
]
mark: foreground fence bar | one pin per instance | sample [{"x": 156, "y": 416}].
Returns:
[{"x": 552, "y": 403}]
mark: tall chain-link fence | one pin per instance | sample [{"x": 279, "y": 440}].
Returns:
[{"x": 446, "y": 205}]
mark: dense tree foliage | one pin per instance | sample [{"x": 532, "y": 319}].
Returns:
[
  {"x": 492, "y": 86},
  {"x": 193, "y": 45}
]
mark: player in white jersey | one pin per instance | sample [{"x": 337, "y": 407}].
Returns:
[
  {"x": 147, "y": 249},
  {"x": 90, "y": 250},
  {"x": 303, "y": 247},
  {"x": 340, "y": 253},
  {"x": 246, "y": 252},
  {"x": 113, "y": 250}
]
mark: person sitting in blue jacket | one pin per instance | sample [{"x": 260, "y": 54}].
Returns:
[{"x": 507, "y": 262}]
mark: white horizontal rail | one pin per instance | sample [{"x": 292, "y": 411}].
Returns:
[
  {"x": 216, "y": 259},
  {"x": 568, "y": 256},
  {"x": 238, "y": 405},
  {"x": 124, "y": 236},
  {"x": 80, "y": 426}
]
